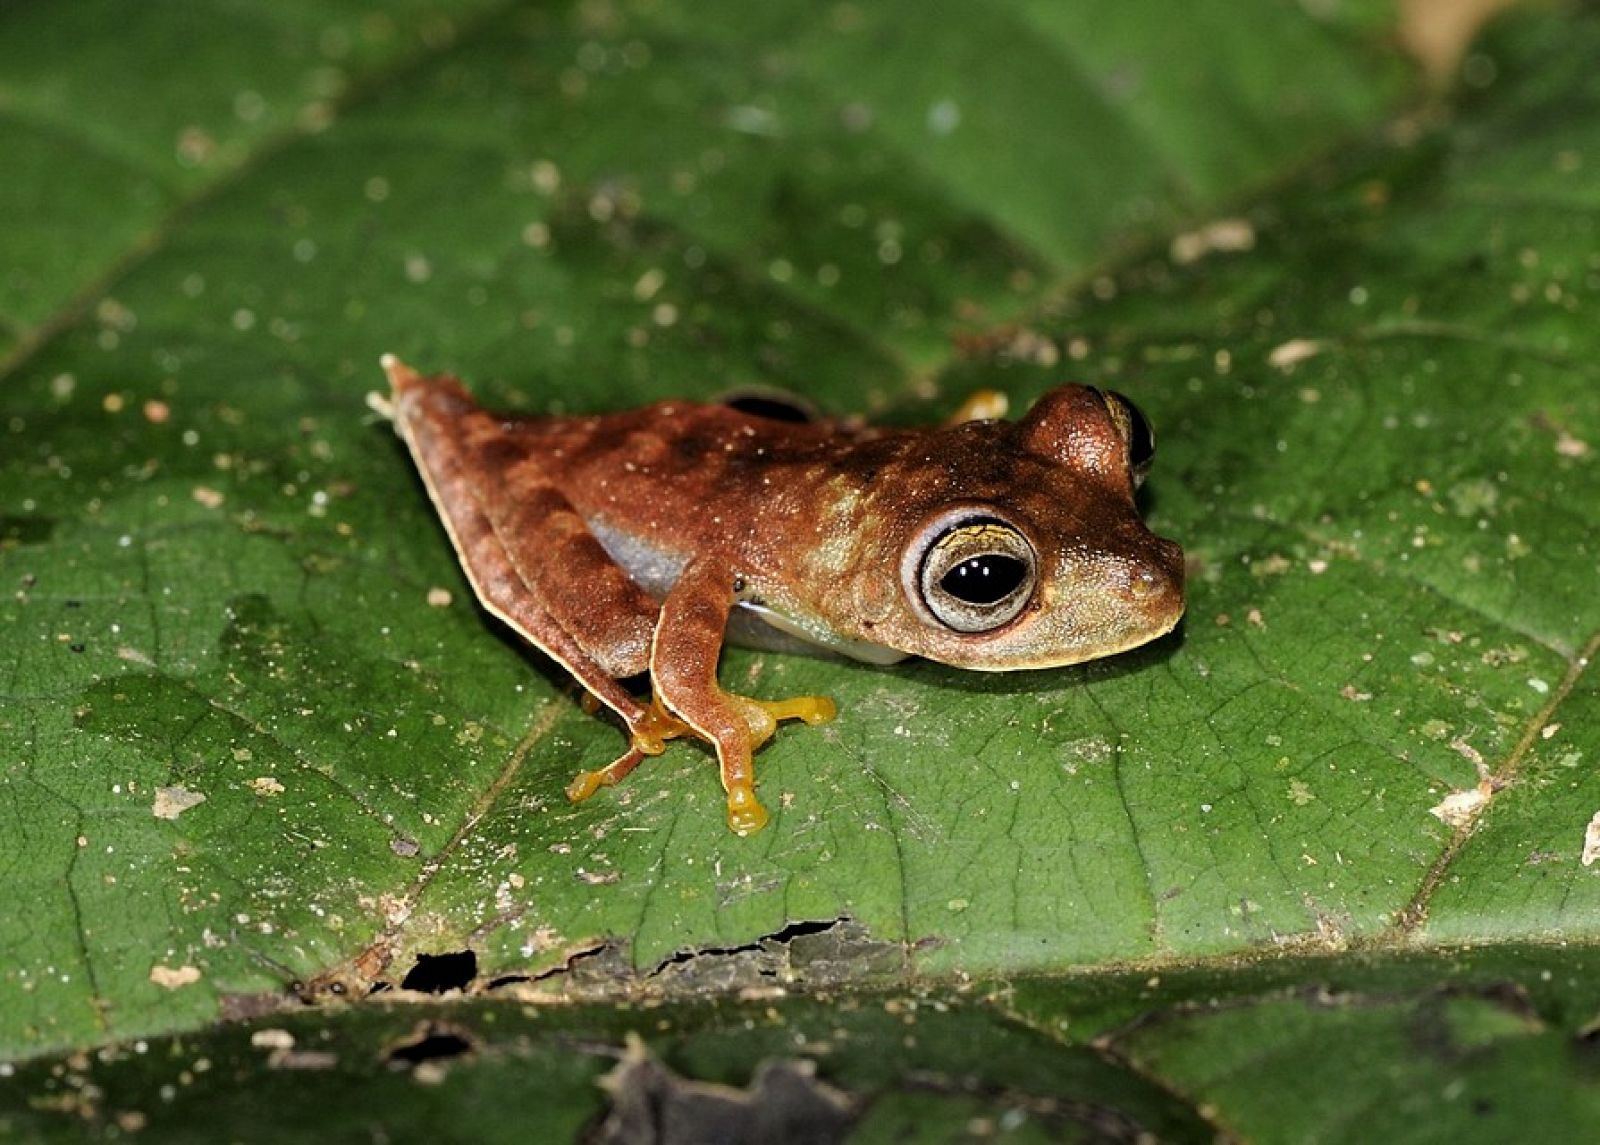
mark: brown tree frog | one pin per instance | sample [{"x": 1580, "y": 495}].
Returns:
[{"x": 629, "y": 543}]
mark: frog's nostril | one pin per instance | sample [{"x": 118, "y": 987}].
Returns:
[{"x": 1144, "y": 584}]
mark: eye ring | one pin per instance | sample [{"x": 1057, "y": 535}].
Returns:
[{"x": 976, "y": 574}]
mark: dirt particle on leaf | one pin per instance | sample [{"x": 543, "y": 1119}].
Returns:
[
  {"x": 1221, "y": 235},
  {"x": 439, "y": 597},
  {"x": 208, "y": 497},
  {"x": 282, "y": 1055},
  {"x": 1474, "y": 498},
  {"x": 1287, "y": 355},
  {"x": 1569, "y": 446},
  {"x": 1435, "y": 729},
  {"x": 1591, "y": 842},
  {"x": 272, "y": 1039},
  {"x": 1460, "y": 807},
  {"x": 1469, "y": 753},
  {"x": 172, "y": 977},
  {"x": 1274, "y": 565},
  {"x": 171, "y": 802}
]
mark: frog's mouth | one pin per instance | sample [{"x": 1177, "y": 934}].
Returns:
[{"x": 1026, "y": 660}]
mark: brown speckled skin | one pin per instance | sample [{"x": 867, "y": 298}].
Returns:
[{"x": 814, "y": 520}]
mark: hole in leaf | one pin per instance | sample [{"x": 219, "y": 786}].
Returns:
[
  {"x": 437, "y": 973},
  {"x": 431, "y": 1043},
  {"x": 804, "y": 928}
]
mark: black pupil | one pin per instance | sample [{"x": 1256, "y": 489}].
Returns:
[{"x": 986, "y": 579}]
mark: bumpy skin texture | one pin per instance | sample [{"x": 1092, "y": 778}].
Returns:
[{"x": 619, "y": 543}]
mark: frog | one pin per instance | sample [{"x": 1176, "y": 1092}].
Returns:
[{"x": 634, "y": 544}]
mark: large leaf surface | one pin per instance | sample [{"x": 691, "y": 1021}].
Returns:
[{"x": 1375, "y": 445}]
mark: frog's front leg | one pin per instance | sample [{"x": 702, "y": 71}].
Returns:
[{"x": 683, "y": 668}]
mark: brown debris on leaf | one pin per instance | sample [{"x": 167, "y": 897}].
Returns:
[{"x": 784, "y": 1104}]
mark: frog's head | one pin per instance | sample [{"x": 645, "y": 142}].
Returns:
[{"x": 1031, "y": 553}]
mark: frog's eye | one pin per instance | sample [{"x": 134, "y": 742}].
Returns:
[
  {"x": 1135, "y": 431},
  {"x": 771, "y": 405},
  {"x": 977, "y": 576}
]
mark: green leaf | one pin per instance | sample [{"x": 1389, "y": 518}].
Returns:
[{"x": 1373, "y": 392}]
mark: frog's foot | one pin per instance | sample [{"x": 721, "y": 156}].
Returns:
[
  {"x": 648, "y": 736},
  {"x": 763, "y": 715},
  {"x": 746, "y": 815},
  {"x": 653, "y": 729},
  {"x": 650, "y": 733},
  {"x": 586, "y": 783}
]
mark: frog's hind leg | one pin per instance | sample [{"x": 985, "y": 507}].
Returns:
[
  {"x": 683, "y": 668},
  {"x": 528, "y": 555}
]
